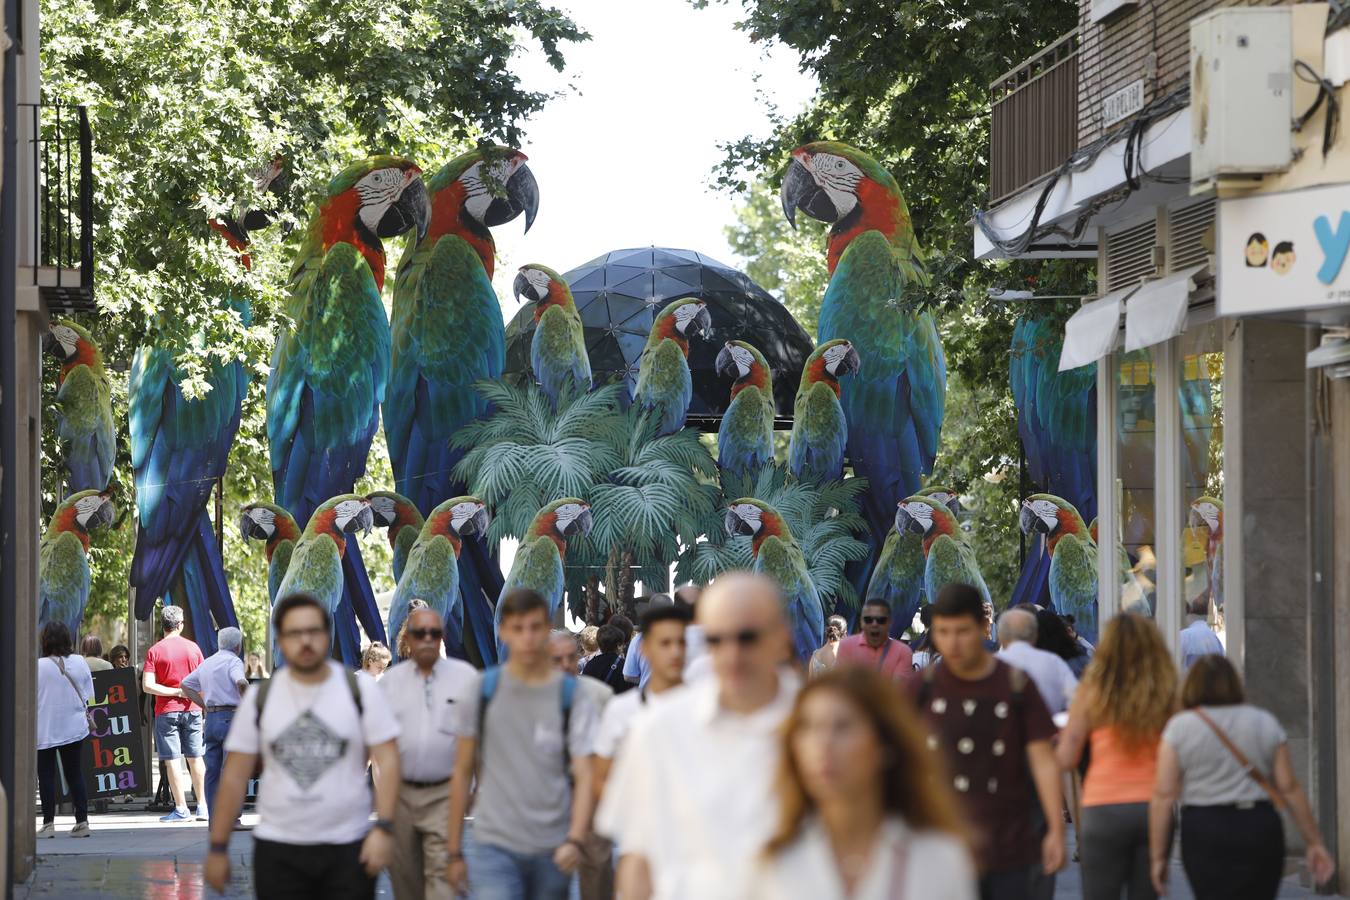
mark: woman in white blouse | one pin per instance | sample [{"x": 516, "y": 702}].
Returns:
[
  {"x": 863, "y": 815},
  {"x": 64, "y": 689}
]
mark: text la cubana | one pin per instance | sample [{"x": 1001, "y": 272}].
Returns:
[{"x": 103, "y": 725}]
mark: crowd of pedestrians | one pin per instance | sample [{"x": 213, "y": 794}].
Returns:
[{"x": 692, "y": 758}]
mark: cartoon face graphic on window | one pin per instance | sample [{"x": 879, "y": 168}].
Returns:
[
  {"x": 1258, "y": 250},
  {"x": 1282, "y": 260}
]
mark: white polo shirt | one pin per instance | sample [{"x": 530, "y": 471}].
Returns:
[
  {"x": 1052, "y": 676},
  {"x": 426, "y": 709},
  {"x": 692, "y": 790}
]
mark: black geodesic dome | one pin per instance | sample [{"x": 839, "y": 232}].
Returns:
[{"x": 620, "y": 294}]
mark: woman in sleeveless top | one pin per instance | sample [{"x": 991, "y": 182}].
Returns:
[
  {"x": 1125, "y": 698},
  {"x": 863, "y": 814},
  {"x": 824, "y": 659}
]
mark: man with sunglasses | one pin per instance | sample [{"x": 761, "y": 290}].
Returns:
[
  {"x": 424, "y": 693},
  {"x": 874, "y": 647},
  {"x": 690, "y": 801}
]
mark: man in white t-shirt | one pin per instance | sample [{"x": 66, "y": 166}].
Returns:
[
  {"x": 314, "y": 726},
  {"x": 684, "y": 837}
]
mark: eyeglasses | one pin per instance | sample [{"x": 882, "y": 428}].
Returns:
[
  {"x": 426, "y": 634},
  {"x": 301, "y": 633},
  {"x": 875, "y": 620},
  {"x": 746, "y": 637}
]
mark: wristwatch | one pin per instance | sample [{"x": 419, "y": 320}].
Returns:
[{"x": 385, "y": 825}]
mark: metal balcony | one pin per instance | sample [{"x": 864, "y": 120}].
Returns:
[
  {"x": 1034, "y": 121},
  {"x": 56, "y": 153}
]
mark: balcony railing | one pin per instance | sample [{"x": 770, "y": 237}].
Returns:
[
  {"x": 1034, "y": 125},
  {"x": 60, "y": 253}
]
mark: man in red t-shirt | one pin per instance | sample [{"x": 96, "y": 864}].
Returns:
[
  {"x": 178, "y": 721},
  {"x": 994, "y": 731},
  {"x": 874, "y": 647}
]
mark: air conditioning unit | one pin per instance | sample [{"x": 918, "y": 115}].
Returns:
[{"x": 1242, "y": 92}]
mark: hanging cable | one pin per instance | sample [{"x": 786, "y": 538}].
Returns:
[{"x": 1326, "y": 91}]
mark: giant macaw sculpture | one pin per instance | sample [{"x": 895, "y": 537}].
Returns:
[
  {"x": 63, "y": 559},
  {"x": 448, "y": 334},
  {"x": 745, "y": 437},
  {"x": 558, "y": 355},
  {"x": 273, "y": 526},
  {"x": 84, "y": 419},
  {"x": 777, "y": 555},
  {"x": 819, "y": 429},
  {"x": 894, "y": 403},
  {"x": 1073, "y": 558},
  {"x": 329, "y": 371},
  {"x": 398, "y": 514},
  {"x": 539, "y": 558},
  {"x": 179, "y": 450},
  {"x": 1057, "y": 422},
  {"x": 899, "y": 578},
  {"x": 665, "y": 386}
]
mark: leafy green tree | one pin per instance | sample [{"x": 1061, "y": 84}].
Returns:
[{"x": 187, "y": 99}]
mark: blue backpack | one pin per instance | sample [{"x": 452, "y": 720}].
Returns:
[{"x": 492, "y": 677}]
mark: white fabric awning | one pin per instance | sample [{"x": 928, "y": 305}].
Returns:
[
  {"x": 1090, "y": 333},
  {"x": 1158, "y": 311}
]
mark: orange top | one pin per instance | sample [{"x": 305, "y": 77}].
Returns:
[{"x": 1116, "y": 773}]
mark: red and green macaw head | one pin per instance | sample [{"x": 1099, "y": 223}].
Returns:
[
  {"x": 340, "y": 516},
  {"x": 757, "y": 520},
  {"x": 1051, "y": 516},
  {"x": 393, "y": 511},
  {"x": 82, "y": 512},
  {"x": 268, "y": 522},
  {"x": 746, "y": 365},
  {"x": 948, "y": 497},
  {"x": 378, "y": 197},
  {"x": 829, "y": 362},
  {"x": 561, "y": 520},
  {"x": 1208, "y": 511},
  {"x": 481, "y": 189},
  {"x": 457, "y": 517},
  {"x": 73, "y": 345},
  {"x": 925, "y": 516},
  {"x": 680, "y": 321},
  {"x": 543, "y": 287},
  {"x": 236, "y": 228},
  {"x": 845, "y": 187}
]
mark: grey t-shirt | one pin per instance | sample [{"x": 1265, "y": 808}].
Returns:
[
  {"x": 1210, "y": 774},
  {"x": 524, "y": 801}
]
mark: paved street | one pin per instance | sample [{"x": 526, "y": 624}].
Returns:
[{"x": 133, "y": 855}]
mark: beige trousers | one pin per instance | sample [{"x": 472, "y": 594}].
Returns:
[{"x": 420, "y": 859}]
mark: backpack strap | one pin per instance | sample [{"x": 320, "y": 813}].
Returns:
[
  {"x": 492, "y": 676},
  {"x": 355, "y": 687},
  {"x": 263, "y": 687},
  {"x": 1017, "y": 680},
  {"x": 926, "y": 684}
]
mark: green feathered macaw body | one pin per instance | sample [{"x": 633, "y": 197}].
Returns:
[
  {"x": 948, "y": 556},
  {"x": 898, "y": 577},
  {"x": 398, "y": 514},
  {"x": 745, "y": 437},
  {"x": 558, "y": 355},
  {"x": 665, "y": 385},
  {"x": 63, "y": 559},
  {"x": 84, "y": 420},
  {"x": 819, "y": 429},
  {"x": 777, "y": 555},
  {"x": 432, "y": 571},
  {"x": 538, "y": 565},
  {"x": 1073, "y": 558},
  {"x": 278, "y": 530}
]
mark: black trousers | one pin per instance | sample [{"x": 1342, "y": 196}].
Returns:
[
  {"x": 310, "y": 872},
  {"x": 1113, "y": 844},
  {"x": 1232, "y": 853},
  {"x": 49, "y": 789}
]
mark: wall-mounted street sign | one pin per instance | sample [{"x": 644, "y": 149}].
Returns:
[
  {"x": 1284, "y": 252},
  {"x": 1123, "y": 103}
]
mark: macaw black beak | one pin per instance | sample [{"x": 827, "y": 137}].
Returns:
[
  {"x": 954, "y": 504},
  {"x": 106, "y": 514},
  {"x": 411, "y": 210},
  {"x": 725, "y": 365},
  {"x": 253, "y": 220},
  {"x": 480, "y": 521},
  {"x": 581, "y": 525},
  {"x": 51, "y": 345},
  {"x": 701, "y": 325},
  {"x": 851, "y": 362},
  {"x": 1030, "y": 522},
  {"x": 363, "y": 521},
  {"x": 800, "y": 191},
  {"x": 733, "y": 523},
  {"x": 523, "y": 290},
  {"x": 522, "y": 195},
  {"x": 249, "y": 528}
]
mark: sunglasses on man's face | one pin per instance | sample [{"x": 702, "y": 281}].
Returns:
[
  {"x": 746, "y": 637},
  {"x": 426, "y": 634},
  {"x": 875, "y": 620}
]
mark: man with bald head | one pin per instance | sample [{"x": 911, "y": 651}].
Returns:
[
  {"x": 1017, "y": 632},
  {"x": 423, "y": 692},
  {"x": 690, "y": 800}
]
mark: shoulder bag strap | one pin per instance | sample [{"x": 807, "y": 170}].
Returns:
[
  {"x": 61, "y": 664},
  {"x": 1252, "y": 771}
]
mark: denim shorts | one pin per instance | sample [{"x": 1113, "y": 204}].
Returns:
[{"x": 178, "y": 734}]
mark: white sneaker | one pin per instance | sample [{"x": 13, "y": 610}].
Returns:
[
  {"x": 81, "y": 829},
  {"x": 203, "y": 814},
  {"x": 47, "y": 830}
]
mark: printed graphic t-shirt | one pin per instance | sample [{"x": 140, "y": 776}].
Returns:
[
  {"x": 172, "y": 660},
  {"x": 981, "y": 729},
  {"x": 313, "y": 788}
]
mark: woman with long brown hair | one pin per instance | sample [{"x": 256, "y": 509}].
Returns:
[
  {"x": 864, "y": 812},
  {"x": 1127, "y": 694}
]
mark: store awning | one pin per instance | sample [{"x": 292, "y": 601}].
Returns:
[
  {"x": 1090, "y": 333},
  {"x": 1158, "y": 311}
]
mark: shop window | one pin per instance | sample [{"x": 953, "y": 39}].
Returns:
[
  {"x": 1200, "y": 391},
  {"x": 1135, "y": 464}
]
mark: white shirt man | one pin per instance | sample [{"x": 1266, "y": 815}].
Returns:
[
  {"x": 690, "y": 801},
  {"x": 424, "y": 693},
  {"x": 1017, "y": 631},
  {"x": 1197, "y": 640}
]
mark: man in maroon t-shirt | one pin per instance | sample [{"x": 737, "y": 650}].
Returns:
[
  {"x": 994, "y": 730},
  {"x": 178, "y": 721}
]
